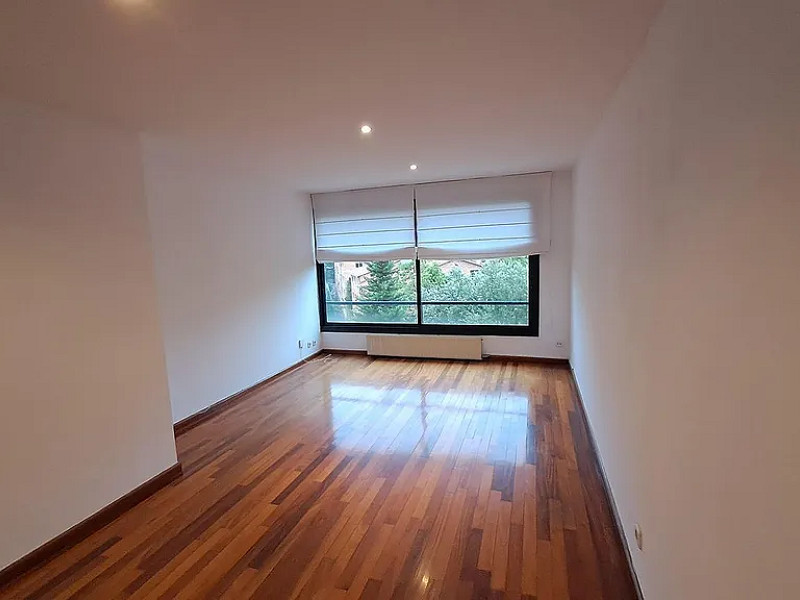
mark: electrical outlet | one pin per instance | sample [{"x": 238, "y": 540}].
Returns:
[
  {"x": 308, "y": 344},
  {"x": 559, "y": 344},
  {"x": 314, "y": 343},
  {"x": 638, "y": 536}
]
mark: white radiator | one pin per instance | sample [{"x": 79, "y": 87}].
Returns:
[{"x": 425, "y": 346}]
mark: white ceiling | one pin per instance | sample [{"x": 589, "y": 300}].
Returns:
[{"x": 461, "y": 87}]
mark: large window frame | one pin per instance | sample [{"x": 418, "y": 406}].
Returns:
[{"x": 529, "y": 330}]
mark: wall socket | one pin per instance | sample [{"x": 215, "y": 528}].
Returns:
[
  {"x": 306, "y": 344},
  {"x": 559, "y": 344},
  {"x": 638, "y": 536}
]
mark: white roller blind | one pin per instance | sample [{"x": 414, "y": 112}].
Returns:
[
  {"x": 484, "y": 218},
  {"x": 374, "y": 224}
]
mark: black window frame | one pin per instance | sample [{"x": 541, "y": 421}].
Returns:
[{"x": 529, "y": 330}]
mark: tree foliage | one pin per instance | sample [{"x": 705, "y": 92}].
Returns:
[
  {"x": 501, "y": 279},
  {"x": 384, "y": 283}
]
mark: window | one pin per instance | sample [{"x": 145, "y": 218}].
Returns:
[
  {"x": 375, "y": 292},
  {"x": 476, "y": 296},
  {"x": 444, "y": 257},
  {"x": 459, "y": 293}
]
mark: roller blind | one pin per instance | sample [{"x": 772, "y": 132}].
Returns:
[
  {"x": 484, "y": 218},
  {"x": 374, "y": 224}
]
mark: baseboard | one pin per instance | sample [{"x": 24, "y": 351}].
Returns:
[
  {"x": 213, "y": 410},
  {"x": 88, "y": 526},
  {"x": 542, "y": 360},
  {"x": 620, "y": 530}
]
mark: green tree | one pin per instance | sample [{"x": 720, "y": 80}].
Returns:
[
  {"x": 449, "y": 287},
  {"x": 407, "y": 272},
  {"x": 384, "y": 284},
  {"x": 502, "y": 279},
  {"x": 432, "y": 276}
]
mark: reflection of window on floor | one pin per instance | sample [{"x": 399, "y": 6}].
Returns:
[{"x": 369, "y": 418}]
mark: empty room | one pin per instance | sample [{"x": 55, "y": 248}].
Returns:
[{"x": 366, "y": 299}]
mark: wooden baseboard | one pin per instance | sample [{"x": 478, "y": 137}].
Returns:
[
  {"x": 213, "y": 410},
  {"x": 542, "y": 360},
  {"x": 607, "y": 488},
  {"x": 88, "y": 526}
]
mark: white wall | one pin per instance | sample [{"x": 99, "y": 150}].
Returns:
[
  {"x": 554, "y": 324},
  {"x": 686, "y": 299},
  {"x": 236, "y": 280},
  {"x": 85, "y": 407}
]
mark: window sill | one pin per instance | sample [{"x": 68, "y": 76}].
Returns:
[{"x": 414, "y": 329}]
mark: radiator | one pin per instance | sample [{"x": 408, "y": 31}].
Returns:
[{"x": 425, "y": 346}]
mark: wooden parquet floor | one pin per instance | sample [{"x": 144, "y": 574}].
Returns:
[{"x": 354, "y": 477}]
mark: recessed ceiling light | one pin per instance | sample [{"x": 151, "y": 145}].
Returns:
[
  {"x": 413, "y": 167},
  {"x": 366, "y": 129},
  {"x": 131, "y": 7},
  {"x": 131, "y": 3}
]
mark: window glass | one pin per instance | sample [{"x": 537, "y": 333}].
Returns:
[
  {"x": 490, "y": 291},
  {"x": 371, "y": 292}
]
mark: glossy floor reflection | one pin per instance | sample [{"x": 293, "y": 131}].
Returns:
[
  {"x": 354, "y": 477},
  {"x": 415, "y": 418}
]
